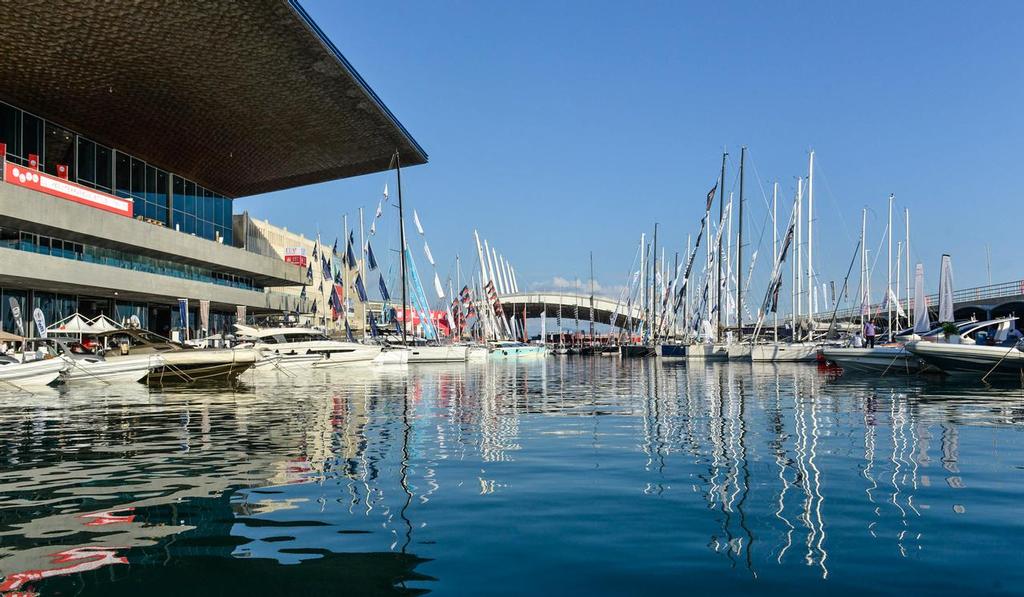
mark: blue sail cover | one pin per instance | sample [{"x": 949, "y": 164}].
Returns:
[{"x": 419, "y": 298}]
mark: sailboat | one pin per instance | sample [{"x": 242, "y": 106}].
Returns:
[
  {"x": 801, "y": 347},
  {"x": 738, "y": 350},
  {"x": 887, "y": 358}
]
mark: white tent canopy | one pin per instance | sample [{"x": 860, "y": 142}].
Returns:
[
  {"x": 72, "y": 324},
  {"x": 102, "y": 323}
]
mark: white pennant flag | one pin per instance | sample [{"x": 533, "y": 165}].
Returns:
[
  {"x": 416, "y": 220},
  {"x": 380, "y": 209},
  {"x": 373, "y": 227},
  {"x": 385, "y": 192},
  {"x": 437, "y": 286},
  {"x": 426, "y": 249},
  {"x": 895, "y": 301}
]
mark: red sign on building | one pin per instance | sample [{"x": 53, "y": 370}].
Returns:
[{"x": 52, "y": 185}]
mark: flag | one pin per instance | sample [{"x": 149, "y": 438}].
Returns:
[
  {"x": 334, "y": 249},
  {"x": 385, "y": 192},
  {"x": 426, "y": 250},
  {"x": 309, "y": 273},
  {"x": 383, "y": 289},
  {"x": 315, "y": 253},
  {"x": 437, "y": 286},
  {"x": 711, "y": 197},
  {"x": 380, "y": 210},
  {"x": 348, "y": 249},
  {"x": 335, "y": 299},
  {"x": 370, "y": 259},
  {"x": 465, "y": 294},
  {"x": 360, "y": 289},
  {"x": 374, "y": 332},
  {"x": 302, "y": 295},
  {"x": 416, "y": 220},
  {"x": 325, "y": 267},
  {"x": 313, "y": 308},
  {"x": 348, "y": 332}
]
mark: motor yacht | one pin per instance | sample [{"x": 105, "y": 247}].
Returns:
[{"x": 180, "y": 363}]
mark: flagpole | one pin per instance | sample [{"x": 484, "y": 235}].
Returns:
[
  {"x": 401, "y": 239},
  {"x": 362, "y": 271}
]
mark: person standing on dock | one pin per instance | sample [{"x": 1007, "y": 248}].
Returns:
[{"x": 869, "y": 333}]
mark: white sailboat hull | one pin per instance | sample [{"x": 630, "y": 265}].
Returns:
[
  {"x": 438, "y": 354},
  {"x": 797, "y": 352},
  {"x": 518, "y": 352},
  {"x": 707, "y": 352},
  {"x": 393, "y": 356},
  {"x": 350, "y": 354},
  {"x": 476, "y": 353},
  {"x": 739, "y": 352}
]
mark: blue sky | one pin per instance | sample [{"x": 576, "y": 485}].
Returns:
[{"x": 557, "y": 128}]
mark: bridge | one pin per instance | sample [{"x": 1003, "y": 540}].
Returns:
[
  {"x": 980, "y": 302},
  {"x": 549, "y": 303}
]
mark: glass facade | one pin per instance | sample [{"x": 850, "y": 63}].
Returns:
[
  {"x": 36, "y": 243},
  {"x": 159, "y": 196}
]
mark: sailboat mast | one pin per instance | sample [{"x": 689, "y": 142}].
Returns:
[
  {"x": 810, "y": 239},
  {"x": 775, "y": 247},
  {"x": 401, "y": 241},
  {"x": 906, "y": 247},
  {"x": 718, "y": 276},
  {"x": 799, "y": 248},
  {"x": 864, "y": 300},
  {"x": 888, "y": 269},
  {"x": 344, "y": 270},
  {"x": 654, "y": 289},
  {"x": 739, "y": 253}
]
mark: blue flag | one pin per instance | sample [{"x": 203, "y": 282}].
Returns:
[
  {"x": 384, "y": 289},
  {"x": 348, "y": 332},
  {"x": 315, "y": 253},
  {"x": 313, "y": 308},
  {"x": 302, "y": 295},
  {"x": 360, "y": 289},
  {"x": 334, "y": 249},
  {"x": 337, "y": 277},
  {"x": 309, "y": 273},
  {"x": 370, "y": 259},
  {"x": 325, "y": 265},
  {"x": 348, "y": 250}
]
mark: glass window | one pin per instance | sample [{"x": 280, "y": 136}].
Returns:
[
  {"x": 179, "y": 193},
  {"x": 103, "y": 167},
  {"x": 31, "y": 135},
  {"x": 138, "y": 178},
  {"x": 190, "y": 198},
  {"x": 86, "y": 161},
  {"x": 59, "y": 149},
  {"x": 123, "y": 174},
  {"x": 10, "y": 129}
]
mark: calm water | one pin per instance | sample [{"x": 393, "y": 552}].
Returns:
[{"x": 574, "y": 475}]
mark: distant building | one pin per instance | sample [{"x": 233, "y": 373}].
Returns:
[{"x": 122, "y": 156}]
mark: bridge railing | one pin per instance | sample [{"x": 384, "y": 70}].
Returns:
[{"x": 964, "y": 295}]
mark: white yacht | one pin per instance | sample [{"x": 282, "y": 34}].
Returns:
[
  {"x": 504, "y": 350},
  {"x": 450, "y": 353},
  {"x": 977, "y": 349},
  {"x": 305, "y": 347},
  {"x": 30, "y": 374},
  {"x": 178, "y": 362}
]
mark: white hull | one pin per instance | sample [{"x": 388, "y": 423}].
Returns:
[
  {"x": 707, "y": 352},
  {"x": 970, "y": 358},
  {"x": 785, "y": 353},
  {"x": 124, "y": 369},
  {"x": 352, "y": 354},
  {"x": 740, "y": 352},
  {"x": 880, "y": 359},
  {"x": 518, "y": 352},
  {"x": 393, "y": 356},
  {"x": 32, "y": 374},
  {"x": 271, "y": 361},
  {"x": 476, "y": 353},
  {"x": 438, "y": 354}
]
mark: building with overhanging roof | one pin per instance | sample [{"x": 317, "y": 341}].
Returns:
[{"x": 128, "y": 130}]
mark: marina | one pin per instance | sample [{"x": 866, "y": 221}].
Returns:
[{"x": 621, "y": 333}]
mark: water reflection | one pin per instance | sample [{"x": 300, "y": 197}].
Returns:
[{"x": 507, "y": 478}]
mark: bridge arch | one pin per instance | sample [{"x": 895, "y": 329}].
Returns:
[{"x": 1010, "y": 308}]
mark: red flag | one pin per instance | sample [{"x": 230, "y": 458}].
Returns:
[
  {"x": 33, "y": 161},
  {"x": 62, "y": 171}
]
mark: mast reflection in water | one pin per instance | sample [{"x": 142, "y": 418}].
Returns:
[{"x": 581, "y": 475}]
